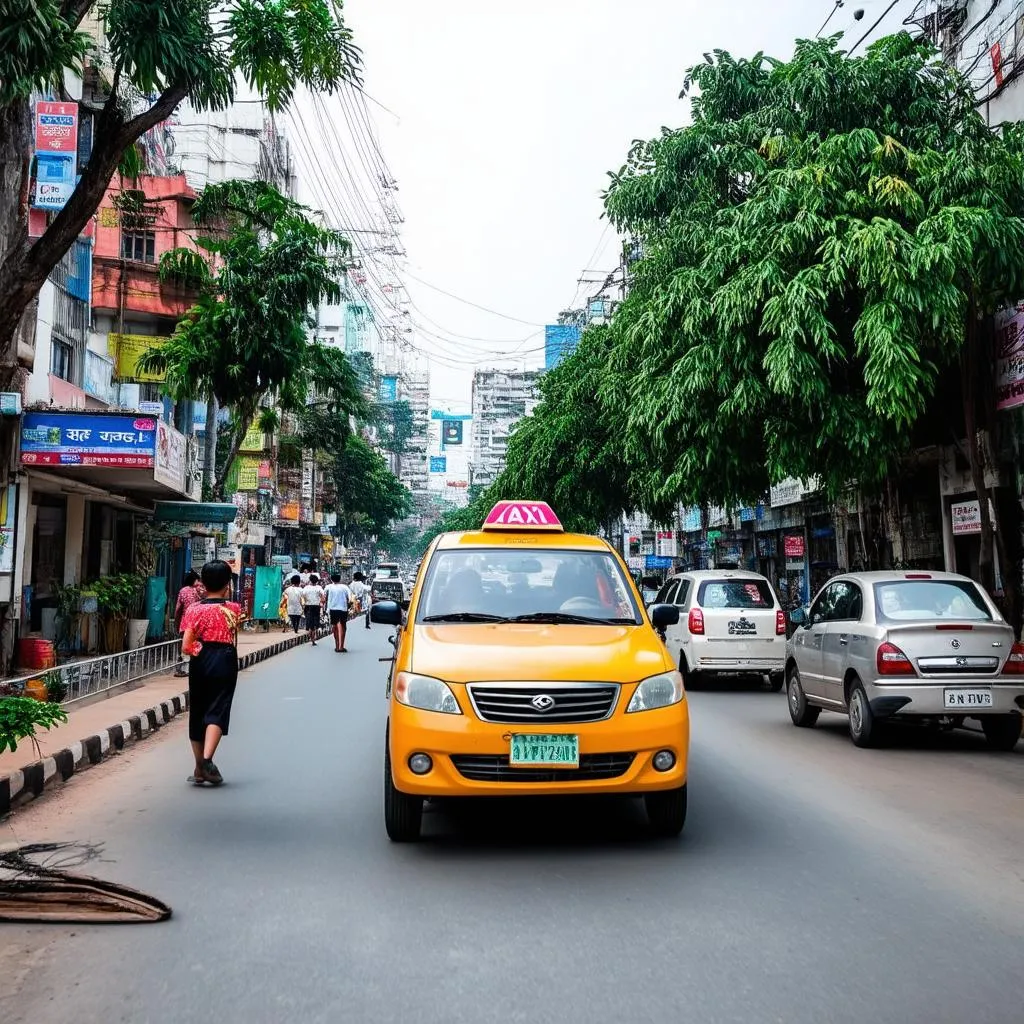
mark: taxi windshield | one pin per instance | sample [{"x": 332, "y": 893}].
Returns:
[{"x": 507, "y": 585}]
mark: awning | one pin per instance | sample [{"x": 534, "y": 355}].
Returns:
[{"x": 194, "y": 512}]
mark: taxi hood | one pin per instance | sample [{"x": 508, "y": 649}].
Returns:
[{"x": 524, "y": 652}]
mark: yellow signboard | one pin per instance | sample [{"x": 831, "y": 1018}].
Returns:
[
  {"x": 253, "y": 440},
  {"x": 126, "y": 350},
  {"x": 248, "y": 473}
]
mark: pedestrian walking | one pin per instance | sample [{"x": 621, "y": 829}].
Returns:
[
  {"x": 361, "y": 592},
  {"x": 211, "y": 638},
  {"x": 293, "y": 600},
  {"x": 339, "y": 597},
  {"x": 187, "y": 596},
  {"x": 312, "y": 603}
]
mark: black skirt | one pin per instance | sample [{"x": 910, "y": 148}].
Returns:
[
  {"x": 312, "y": 616},
  {"x": 212, "y": 675}
]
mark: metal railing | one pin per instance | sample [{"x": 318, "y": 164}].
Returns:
[{"x": 97, "y": 675}]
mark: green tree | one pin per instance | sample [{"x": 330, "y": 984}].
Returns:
[
  {"x": 824, "y": 238},
  {"x": 245, "y": 341},
  {"x": 370, "y": 496},
  {"x": 161, "y": 52},
  {"x": 569, "y": 451}
]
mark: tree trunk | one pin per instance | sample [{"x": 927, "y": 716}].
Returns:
[
  {"x": 894, "y": 524},
  {"x": 241, "y": 429},
  {"x": 24, "y": 267},
  {"x": 970, "y": 368},
  {"x": 210, "y": 446}
]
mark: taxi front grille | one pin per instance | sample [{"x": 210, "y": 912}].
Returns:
[
  {"x": 495, "y": 768},
  {"x": 554, "y": 702}
]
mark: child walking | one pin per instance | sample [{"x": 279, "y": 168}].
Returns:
[{"x": 211, "y": 635}]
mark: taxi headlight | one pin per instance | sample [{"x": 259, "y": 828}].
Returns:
[
  {"x": 425, "y": 693},
  {"x": 658, "y": 691}
]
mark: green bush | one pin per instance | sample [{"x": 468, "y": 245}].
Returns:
[{"x": 21, "y": 716}]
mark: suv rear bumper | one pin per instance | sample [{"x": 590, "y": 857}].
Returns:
[{"x": 927, "y": 698}]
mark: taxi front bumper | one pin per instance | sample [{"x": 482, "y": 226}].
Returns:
[{"x": 470, "y": 757}]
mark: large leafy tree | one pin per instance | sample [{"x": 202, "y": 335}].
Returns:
[
  {"x": 157, "y": 54},
  {"x": 261, "y": 269},
  {"x": 569, "y": 451},
  {"x": 823, "y": 240},
  {"x": 370, "y": 496}
]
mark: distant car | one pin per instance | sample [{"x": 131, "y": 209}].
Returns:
[
  {"x": 730, "y": 624},
  {"x": 906, "y": 645},
  {"x": 387, "y": 584}
]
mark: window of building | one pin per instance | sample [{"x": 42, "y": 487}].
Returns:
[
  {"x": 61, "y": 358},
  {"x": 139, "y": 246}
]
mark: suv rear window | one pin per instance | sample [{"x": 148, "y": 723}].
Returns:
[
  {"x": 907, "y": 600},
  {"x": 735, "y": 594}
]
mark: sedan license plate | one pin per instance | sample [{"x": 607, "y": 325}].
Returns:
[
  {"x": 979, "y": 698},
  {"x": 556, "y": 751}
]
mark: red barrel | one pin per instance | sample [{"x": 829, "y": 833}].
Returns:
[{"x": 35, "y": 652}]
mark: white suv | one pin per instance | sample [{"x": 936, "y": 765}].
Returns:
[{"x": 730, "y": 624}]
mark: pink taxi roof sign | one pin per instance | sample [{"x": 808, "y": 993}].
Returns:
[{"x": 522, "y": 516}]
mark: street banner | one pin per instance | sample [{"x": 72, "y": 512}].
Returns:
[
  {"x": 74, "y": 439},
  {"x": 127, "y": 349}
]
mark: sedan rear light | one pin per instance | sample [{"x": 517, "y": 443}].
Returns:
[
  {"x": 954, "y": 628},
  {"x": 696, "y": 623},
  {"x": 891, "y": 661},
  {"x": 1015, "y": 662},
  {"x": 780, "y": 622},
  {"x": 918, "y": 576}
]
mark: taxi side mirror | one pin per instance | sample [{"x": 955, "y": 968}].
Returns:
[
  {"x": 386, "y": 613},
  {"x": 663, "y": 615}
]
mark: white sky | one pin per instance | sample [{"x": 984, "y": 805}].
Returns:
[{"x": 509, "y": 117}]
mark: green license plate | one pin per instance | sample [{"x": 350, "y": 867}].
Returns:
[{"x": 559, "y": 751}]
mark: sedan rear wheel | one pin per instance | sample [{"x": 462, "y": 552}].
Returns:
[
  {"x": 863, "y": 724},
  {"x": 803, "y": 714},
  {"x": 1002, "y": 732}
]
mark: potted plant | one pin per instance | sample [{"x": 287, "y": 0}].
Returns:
[
  {"x": 117, "y": 598},
  {"x": 69, "y": 603}
]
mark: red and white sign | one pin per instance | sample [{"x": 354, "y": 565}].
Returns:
[
  {"x": 522, "y": 515},
  {"x": 793, "y": 546},
  {"x": 966, "y": 517},
  {"x": 87, "y": 459},
  {"x": 56, "y": 127}
]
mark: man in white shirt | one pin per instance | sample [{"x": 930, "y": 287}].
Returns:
[
  {"x": 361, "y": 592},
  {"x": 312, "y": 602},
  {"x": 293, "y": 595},
  {"x": 339, "y": 597}
]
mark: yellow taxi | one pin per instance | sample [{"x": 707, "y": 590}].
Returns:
[{"x": 526, "y": 664}]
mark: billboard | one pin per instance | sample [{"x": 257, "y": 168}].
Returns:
[
  {"x": 559, "y": 341},
  {"x": 451, "y": 432},
  {"x": 1010, "y": 358},
  {"x": 56, "y": 150},
  {"x": 76, "y": 439},
  {"x": 388, "y": 389},
  {"x": 127, "y": 349},
  {"x": 438, "y": 464},
  {"x": 170, "y": 468}
]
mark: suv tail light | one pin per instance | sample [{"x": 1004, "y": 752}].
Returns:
[
  {"x": 891, "y": 661},
  {"x": 1015, "y": 662},
  {"x": 780, "y": 622},
  {"x": 696, "y": 622}
]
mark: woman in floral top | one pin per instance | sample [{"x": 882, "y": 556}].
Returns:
[
  {"x": 211, "y": 633},
  {"x": 187, "y": 596}
]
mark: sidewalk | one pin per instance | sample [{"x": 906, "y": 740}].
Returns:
[{"x": 108, "y": 724}]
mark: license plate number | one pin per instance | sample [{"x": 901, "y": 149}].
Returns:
[
  {"x": 559, "y": 751},
  {"x": 980, "y": 698}
]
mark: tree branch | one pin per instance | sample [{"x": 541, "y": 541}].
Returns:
[{"x": 74, "y": 11}]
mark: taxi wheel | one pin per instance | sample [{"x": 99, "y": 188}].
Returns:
[
  {"x": 1001, "y": 731},
  {"x": 666, "y": 811},
  {"x": 403, "y": 814}
]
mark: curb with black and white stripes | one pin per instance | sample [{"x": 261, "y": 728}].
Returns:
[{"x": 34, "y": 779}]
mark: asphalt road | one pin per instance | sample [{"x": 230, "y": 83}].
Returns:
[{"x": 814, "y": 883}]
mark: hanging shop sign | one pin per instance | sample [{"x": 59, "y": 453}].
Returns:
[
  {"x": 665, "y": 542},
  {"x": 438, "y": 464},
  {"x": 967, "y": 517},
  {"x": 254, "y": 440},
  {"x": 10, "y": 403},
  {"x": 55, "y": 180},
  {"x": 793, "y": 546},
  {"x": 307, "y": 477},
  {"x": 657, "y": 562},
  {"x": 127, "y": 349},
  {"x": 56, "y": 127},
  {"x": 451, "y": 432},
  {"x": 73, "y": 439},
  {"x": 170, "y": 457}
]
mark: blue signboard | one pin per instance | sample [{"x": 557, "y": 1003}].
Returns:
[
  {"x": 438, "y": 464},
  {"x": 80, "y": 439},
  {"x": 389, "y": 389},
  {"x": 437, "y": 414},
  {"x": 451, "y": 432},
  {"x": 559, "y": 341},
  {"x": 691, "y": 520},
  {"x": 657, "y": 562}
]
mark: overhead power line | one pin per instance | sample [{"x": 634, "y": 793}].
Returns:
[{"x": 475, "y": 305}]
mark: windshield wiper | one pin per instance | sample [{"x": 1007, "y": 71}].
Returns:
[
  {"x": 465, "y": 617},
  {"x": 566, "y": 617}
]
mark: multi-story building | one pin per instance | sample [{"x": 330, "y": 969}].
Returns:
[
  {"x": 413, "y": 462},
  {"x": 450, "y": 451},
  {"x": 500, "y": 399}
]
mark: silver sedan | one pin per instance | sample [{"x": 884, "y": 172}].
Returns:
[{"x": 924, "y": 645}]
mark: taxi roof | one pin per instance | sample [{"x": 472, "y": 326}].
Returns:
[{"x": 521, "y": 538}]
